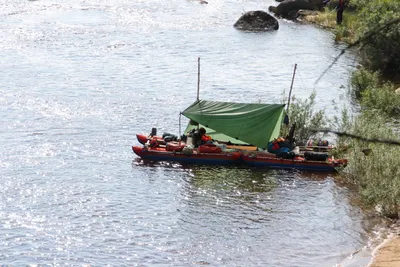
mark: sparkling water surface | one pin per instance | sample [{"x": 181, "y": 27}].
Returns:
[{"x": 79, "y": 79}]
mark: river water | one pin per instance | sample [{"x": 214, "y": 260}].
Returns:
[{"x": 79, "y": 79}]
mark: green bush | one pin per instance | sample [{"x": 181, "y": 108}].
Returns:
[
  {"x": 340, "y": 124},
  {"x": 363, "y": 79},
  {"x": 373, "y": 93},
  {"x": 381, "y": 50},
  {"x": 302, "y": 113},
  {"x": 382, "y": 98},
  {"x": 377, "y": 173},
  {"x": 359, "y": 4},
  {"x": 374, "y": 167}
]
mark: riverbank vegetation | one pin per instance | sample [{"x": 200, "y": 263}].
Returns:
[
  {"x": 374, "y": 25},
  {"x": 303, "y": 113},
  {"x": 375, "y": 93},
  {"x": 374, "y": 167}
]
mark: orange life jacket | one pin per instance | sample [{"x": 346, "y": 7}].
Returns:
[{"x": 206, "y": 138}]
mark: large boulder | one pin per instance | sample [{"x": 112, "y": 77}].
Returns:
[
  {"x": 257, "y": 21},
  {"x": 289, "y": 8},
  {"x": 318, "y": 4}
]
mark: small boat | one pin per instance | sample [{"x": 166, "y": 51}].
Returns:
[
  {"x": 236, "y": 157},
  {"x": 196, "y": 157},
  {"x": 243, "y": 131},
  {"x": 257, "y": 121},
  {"x": 248, "y": 125}
]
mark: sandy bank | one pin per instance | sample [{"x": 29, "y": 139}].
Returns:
[{"x": 387, "y": 254}]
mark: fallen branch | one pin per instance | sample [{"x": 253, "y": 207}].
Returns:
[{"x": 371, "y": 140}]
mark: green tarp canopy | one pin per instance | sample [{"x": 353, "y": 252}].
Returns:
[{"x": 240, "y": 123}]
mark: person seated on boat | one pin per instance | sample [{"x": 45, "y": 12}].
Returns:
[
  {"x": 199, "y": 137},
  {"x": 204, "y": 139},
  {"x": 280, "y": 145},
  {"x": 282, "y": 148}
]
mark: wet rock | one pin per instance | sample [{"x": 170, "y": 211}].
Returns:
[
  {"x": 289, "y": 8},
  {"x": 257, "y": 21},
  {"x": 318, "y": 4}
]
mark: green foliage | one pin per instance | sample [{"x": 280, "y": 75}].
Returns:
[
  {"x": 340, "y": 124},
  {"x": 359, "y": 4},
  {"x": 382, "y": 98},
  {"x": 363, "y": 79},
  {"x": 326, "y": 19},
  {"x": 380, "y": 51},
  {"x": 342, "y": 32},
  {"x": 376, "y": 173},
  {"x": 350, "y": 24},
  {"x": 374, "y": 94},
  {"x": 302, "y": 113}
]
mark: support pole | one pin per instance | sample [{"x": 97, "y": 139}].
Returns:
[
  {"x": 180, "y": 137},
  {"x": 198, "y": 78},
  {"x": 291, "y": 87}
]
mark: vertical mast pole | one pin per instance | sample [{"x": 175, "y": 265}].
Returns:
[
  {"x": 291, "y": 87},
  {"x": 198, "y": 83},
  {"x": 198, "y": 78}
]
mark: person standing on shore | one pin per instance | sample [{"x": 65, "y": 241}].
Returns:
[{"x": 339, "y": 12}]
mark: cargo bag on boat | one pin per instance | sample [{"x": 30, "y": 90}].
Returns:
[
  {"x": 286, "y": 155},
  {"x": 315, "y": 156},
  {"x": 169, "y": 137}
]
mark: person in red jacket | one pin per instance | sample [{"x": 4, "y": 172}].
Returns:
[
  {"x": 200, "y": 138},
  {"x": 203, "y": 137}
]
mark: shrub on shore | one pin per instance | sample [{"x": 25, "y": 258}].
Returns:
[
  {"x": 364, "y": 20},
  {"x": 374, "y": 167},
  {"x": 303, "y": 113},
  {"x": 381, "y": 50},
  {"x": 374, "y": 93}
]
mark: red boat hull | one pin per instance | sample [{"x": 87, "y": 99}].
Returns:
[
  {"x": 144, "y": 138},
  {"x": 161, "y": 154},
  {"x": 249, "y": 159},
  {"x": 260, "y": 160}
]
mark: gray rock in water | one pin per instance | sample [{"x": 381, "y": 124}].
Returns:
[
  {"x": 289, "y": 8},
  {"x": 257, "y": 21}
]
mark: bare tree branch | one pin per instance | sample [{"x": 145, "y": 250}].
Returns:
[
  {"x": 361, "y": 41},
  {"x": 371, "y": 140}
]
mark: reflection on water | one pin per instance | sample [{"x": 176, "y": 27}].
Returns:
[
  {"x": 241, "y": 211},
  {"x": 240, "y": 179}
]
